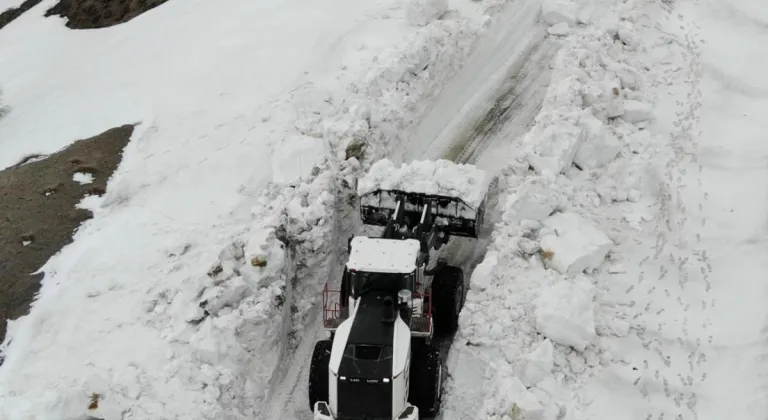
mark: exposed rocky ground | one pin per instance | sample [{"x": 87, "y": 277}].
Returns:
[
  {"x": 38, "y": 214},
  {"x": 9, "y": 15},
  {"x": 87, "y": 14},
  {"x": 92, "y": 14}
]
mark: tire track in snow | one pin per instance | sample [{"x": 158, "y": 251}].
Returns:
[
  {"x": 511, "y": 115},
  {"x": 514, "y": 110},
  {"x": 475, "y": 97}
]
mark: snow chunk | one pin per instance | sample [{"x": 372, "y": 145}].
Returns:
[
  {"x": 422, "y": 12},
  {"x": 560, "y": 29},
  {"x": 536, "y": 365},
  {"x": 575, "y": 244},
  {"x": 565, "y": 313},
  {"x": 438, "y": 177},
  {"x": 82, "y": 178},
  {"x": 636, "y": 111},
  {"x": 556, "y": 147},
  {"x": 294, "y": 157},
  {"x": 558, "y": 11},
  {"x": 481, "y": 275},
  {"x": 600, "y": 146},
  {"x": 535, "y": 199}
]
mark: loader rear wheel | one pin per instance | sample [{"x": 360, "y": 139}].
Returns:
[
  {"x": 448, "y": 299},
  {"x": 425, "y": 390},
  {"x": 318, "y": 373}
]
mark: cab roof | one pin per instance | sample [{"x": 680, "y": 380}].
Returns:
[{"x": 375, "y": 255}]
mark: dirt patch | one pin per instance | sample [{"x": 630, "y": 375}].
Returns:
[
  {"x": 38, "y": 214},
  {"x": 9, "y": 15},
  {"x": 93, "y": 14},
  {"x": 86, "y": 14}
]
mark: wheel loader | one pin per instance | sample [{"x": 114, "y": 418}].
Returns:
[{"x": 397, "y": 296}]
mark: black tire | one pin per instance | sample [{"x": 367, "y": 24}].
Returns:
[
  {"x": 447, "y": 299},
  {"x": 425, "y": 390},
  {"x": 318, "y": 373}
]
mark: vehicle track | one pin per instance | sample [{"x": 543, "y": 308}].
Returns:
[
  {"x": 516, "y": 80},
  {"x": 514, "y": 110}
]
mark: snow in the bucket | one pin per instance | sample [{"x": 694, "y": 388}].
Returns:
[{"x": 438, "y": 177}]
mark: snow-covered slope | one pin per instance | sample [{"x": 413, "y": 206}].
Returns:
[{"x": 179, "y": 299}]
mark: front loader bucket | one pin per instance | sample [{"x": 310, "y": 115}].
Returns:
[
  {"x": 453, "y": 193},
  {"x": 453, "y": 215}
]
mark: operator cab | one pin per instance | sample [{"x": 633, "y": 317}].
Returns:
[
  {"x": 384, "y": 267},
  {"x": 386, "y": 256},
  {"x": 371, "y": 350}
]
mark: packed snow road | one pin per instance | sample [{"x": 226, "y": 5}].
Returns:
[{"x": 501, "y": 88}]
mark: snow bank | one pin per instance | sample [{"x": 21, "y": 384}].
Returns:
[
  {"x": 207, "y": 340},
  {"x": 294, "y": 158},
  {"x": 438, "y": 177},
  {"x": 537, "y": 310},
  {"x": 572, "y": 245}
]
